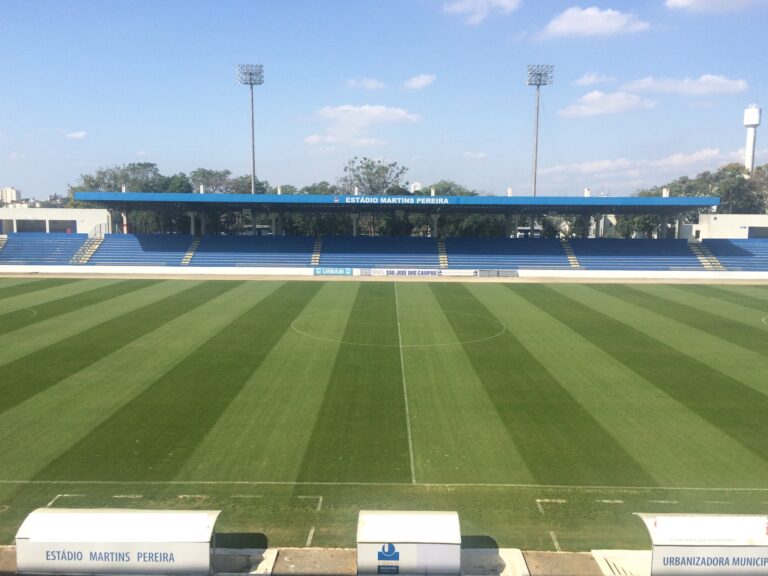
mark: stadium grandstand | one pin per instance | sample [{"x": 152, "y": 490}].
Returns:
[{"x": 347, "y": 253}]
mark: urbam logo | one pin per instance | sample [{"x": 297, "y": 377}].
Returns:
[{"x": 389, "y": 559}]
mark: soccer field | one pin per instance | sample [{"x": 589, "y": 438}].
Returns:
[{"x": 546, "y": 414}]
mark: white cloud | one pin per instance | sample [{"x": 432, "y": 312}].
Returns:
[
  {"x": 598, "y": 103},
  {"x": 705, "y": 84},
  {"x": 592, "y": 78},
  {"x": 366, "y": 83},
  {"x": 576, "y": 21},
  {"x": 350, "y": 125},
  {"x": 709, "y": 5},
  {"x": 475, "y": 11},
  {"x": 475, "y": 155},
  {"x": 79, "y": 135},
  {"x": 141, "y": 153},
  {"x": 675, "y": 164},
  {"x": 419, "y": 82}
]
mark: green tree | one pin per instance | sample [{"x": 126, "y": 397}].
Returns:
[
  {"x": 373, "y": 177},
  {"x": 213, "y": 181}
]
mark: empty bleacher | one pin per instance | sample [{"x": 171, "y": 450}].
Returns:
[
  {"x": 505, "y": 253},
  {"x": 745, "y": 254},
  {"x": 639, "y": 254},
  {"x": 141, "y": 250},
  {"x": 277, "y": 251},
  {"x": 379, "y": 252},
  {"x": 41, "y": 248}
]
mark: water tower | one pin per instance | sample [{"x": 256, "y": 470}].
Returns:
[{"x": 751, "y": 122}]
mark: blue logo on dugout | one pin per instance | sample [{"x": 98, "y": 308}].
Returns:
[
  {"x": 388, "y": 552},
  {"x": 389, "y": 555}
]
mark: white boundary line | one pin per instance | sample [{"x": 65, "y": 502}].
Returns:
[
  {"x": 393, "y": 484},
  {"x": 554, "y": 541},
  {"x": 309, "y": 537},
  {"x": 405, "y": 391},
  {"x": 319, "y": 501},
  {"x": 52, "y": 502}
]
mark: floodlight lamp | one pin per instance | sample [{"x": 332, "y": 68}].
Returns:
[
  {"x": 250, "y": 74},
  {"x": 540, "y": 74}
]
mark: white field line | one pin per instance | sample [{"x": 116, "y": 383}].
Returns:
[
  {"x": 405, "y": 390},
  {"x": 663, "y": 501},
  {"x": 192, "y": 496},
  {"x": 554, "y": 541},
  {"x": 319, "y": 501},
  {"x": 572, "y": 487},
  {"x": 309, "y": 537},
  {"x": 52, "y": 502},
  {"x": 540, "y": 501},
  {"x": 611, "y": 501},
  {"x": 128, "y": 496},
  {"x": 246, "y": 496}
]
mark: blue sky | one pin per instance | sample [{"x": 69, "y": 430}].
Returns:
[{"x": 644, "y": 91}]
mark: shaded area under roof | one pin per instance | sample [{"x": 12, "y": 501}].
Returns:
[{"x": 427, "y": 204}]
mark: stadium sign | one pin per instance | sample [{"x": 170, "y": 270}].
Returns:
[
  {"x": 327, "y": 271},
  {"x": 708, "y": 544},
  {"x": 408, "y": 543},
  {"x": 68, "y": 541}
]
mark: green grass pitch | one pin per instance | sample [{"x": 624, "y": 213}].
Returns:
[{"x": 546, "y": 414}]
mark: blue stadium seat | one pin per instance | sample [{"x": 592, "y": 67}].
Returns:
[
  {"x": 379, "y": 252},
  {"x": 41, "y": 248},
  {"x": 141, "y": 250},
  {"x": 746, "y": 254},
  {"x": 277, "y": 251},
  {"x": 639, "y": 254},
  {"x": 505, "y": 253}
]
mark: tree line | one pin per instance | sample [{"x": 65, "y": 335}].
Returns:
[{"x": 739, "y": 195}]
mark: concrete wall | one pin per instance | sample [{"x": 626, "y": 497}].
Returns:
[
  {"x": 724, "y": 226},
  {"x": 85, "y": 220}
]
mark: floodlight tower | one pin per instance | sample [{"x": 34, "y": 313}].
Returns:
[
  {"x": 538, "y": 75},
  {"x": 251, "y": 74},
  {"x": 751, "y": 122}
]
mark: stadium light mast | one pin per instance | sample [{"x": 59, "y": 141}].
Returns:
[
  {"x": 538, "y": 75},
  {"x": 252, "y": 75}
]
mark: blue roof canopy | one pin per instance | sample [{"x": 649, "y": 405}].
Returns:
[{"x": 430, "y": 204}]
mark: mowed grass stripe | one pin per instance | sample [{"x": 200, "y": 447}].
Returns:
[
  {"x": 11, "y": 321},
  {"x": 24, "y": 341},
  {"x": 559, "y": 440},
  {"x": 741, "y": 364},
  {"x": 267, "y": 428},
  {"x": 76, "y": 405},
  {"x": 360, "y": 434},
  {"x": 33, "y": 373},
  {"x": 34, "y": 286},
  {"x": 738, "y": 295},
  {"x": 744, "y": 335},
  {"x": 152, "y": 436},
  {"x": 733, "y": 407},
  {"x": 641, "y": 417},
  {"x": 457, "y": 435}
]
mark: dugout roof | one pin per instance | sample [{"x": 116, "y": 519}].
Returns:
[{"x": 429, "y": 204}]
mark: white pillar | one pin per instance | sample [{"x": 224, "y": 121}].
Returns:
[
  {"x": 434, "y": 225},
  {"x": 192, "y": 223},
  {"x": 47, "y": 226},
  {"x": 14, "y": 226},
  {"x": 125, "y": 222}
]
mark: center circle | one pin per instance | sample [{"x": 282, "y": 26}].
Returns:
[
  {"x": 765, "y": 320},
  {"x": 475, "y": 328}
]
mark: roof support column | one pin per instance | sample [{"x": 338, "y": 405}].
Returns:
[
  {"x": 192, "y": 230},
  {"x": 124, "y": 218},
  {"x": 354, "y": 224},
  {"x": 435, "y": 218}
]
